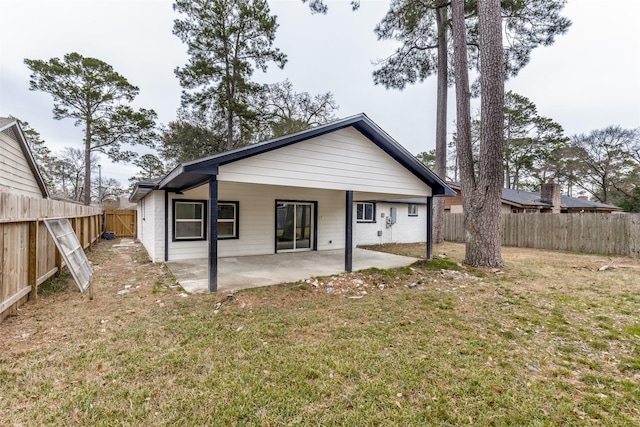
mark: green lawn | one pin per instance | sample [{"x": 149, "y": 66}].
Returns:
[{"x": 548, "y": 341}]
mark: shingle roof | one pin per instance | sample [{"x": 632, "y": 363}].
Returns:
[
  {"x": 197, "y": 172},
  {"x": 575, "y": 203},
  {"x": 532, "y": 199}
]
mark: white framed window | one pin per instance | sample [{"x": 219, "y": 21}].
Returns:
[
  {"x": 413, "y": 210},
  {"x": 365, "y": 212},
  {"x": 228, "y": 220},
  {"x": 189, "y": 219}
]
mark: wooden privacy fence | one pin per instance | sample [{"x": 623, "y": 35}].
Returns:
[
  {"x": 122, "y": 222},
  {"x": 28, "y": 255},
  {"x": 614, "y": 234}
]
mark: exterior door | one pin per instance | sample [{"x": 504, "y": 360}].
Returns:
[{"x": 294, "y": 226}]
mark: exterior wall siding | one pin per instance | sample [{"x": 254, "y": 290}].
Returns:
[
  {"x": 341, "y": 160},
  {"x": 256, "y": 227},
  {"x": 151, "y": 224},
  {"x": 15, "y": 174},
  {"x": 257, "y": 205},
  {"x": 407, "y": 229}
]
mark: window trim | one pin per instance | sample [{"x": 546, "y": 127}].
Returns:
[
  {"x": 373, "y": 210},
  {"x": 203, "y": 220},
  {"x": 409, "y": 210},
  {"x": 235, "y": 220}
]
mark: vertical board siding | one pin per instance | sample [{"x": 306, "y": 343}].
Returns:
[
  {"x": 600, "y": 233},
  {"x": 341, "y": 160},
  {"x": 17, "y": 213}
]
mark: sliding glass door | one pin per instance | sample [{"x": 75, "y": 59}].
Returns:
[{"x": 294, "y": 226}]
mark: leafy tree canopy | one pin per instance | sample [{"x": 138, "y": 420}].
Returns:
[
  {"x": 530, "y": 141},
  {"x": 427, "y": 158},
  {"x": 226, "y": 41},
  {"x": 186, "y": 140},
  {"x": 150, "y": 167},
  {"x": 607, "y": 163},
  {"x": 527, "y": 25},
  {"x": 97, "y": 97},
  {"x": 285, "y": 111}
]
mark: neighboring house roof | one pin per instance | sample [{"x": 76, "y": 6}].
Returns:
[
  {"x": 197, "y": 172},
  {"x": 576, "y": 203},
  {"x": 531, "y": 199},
  {"x": 9, "y": 124}
]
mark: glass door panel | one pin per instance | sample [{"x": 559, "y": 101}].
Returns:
[
  {"x": 293, "y": 226},
  {"x": 285, "y": 226},
  {"x": 303, "y": 226}
]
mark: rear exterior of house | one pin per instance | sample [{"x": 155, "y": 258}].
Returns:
[{"x": 298, "y": 193}]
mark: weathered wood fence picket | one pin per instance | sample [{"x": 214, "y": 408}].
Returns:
[
  {"x": 614, "y": 234},
  {"x": 122, "y": 222},
  {"x": 28, "y": 255}
]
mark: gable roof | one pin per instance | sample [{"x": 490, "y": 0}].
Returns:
[
  {"x": 12, "y": 125},
  {"x": 191, "y": 174},
  {"x": 531, "y": 199}
]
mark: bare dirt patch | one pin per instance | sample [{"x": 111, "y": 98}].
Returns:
[{"x": 126, "y": 286}]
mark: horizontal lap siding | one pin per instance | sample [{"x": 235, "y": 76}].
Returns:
[
  {"x": 151, "y": 223},
  {"x": 257, "y": 219},
  {"x": 407, "y": 229},
  {"x": 341, "y": 160},
  {"x": 15, "y": 172}
]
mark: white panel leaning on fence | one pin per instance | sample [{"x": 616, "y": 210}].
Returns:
[
  {"x": 69, "y": 246},
  {"x": 28, "y": 255}
]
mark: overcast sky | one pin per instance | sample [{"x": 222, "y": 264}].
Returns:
[{"x": 589, "y": 79}]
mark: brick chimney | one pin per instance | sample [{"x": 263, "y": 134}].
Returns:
[{"x": 550, "y": 193}]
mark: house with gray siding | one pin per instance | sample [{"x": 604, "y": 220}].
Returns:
[
  {"x": 18, "y": 171},
  {"x": 307, "y": 191}
]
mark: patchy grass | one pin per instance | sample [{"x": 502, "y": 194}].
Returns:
[
  {"x": 55, "y": 284},
  {"x": 549, "y": 340}
]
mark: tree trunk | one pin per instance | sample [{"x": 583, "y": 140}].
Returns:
[
  {"x": 441, "y": 121},
  {"x": 229, "y": 129},
  {"x": 87, "y": 162},
  {"x": 484, "y": 243},
  {"x": 463, "y": 108},
  {"x": 481, "y": 196}
]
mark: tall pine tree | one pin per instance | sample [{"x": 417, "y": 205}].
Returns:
[{"x": 226, "y": 41}]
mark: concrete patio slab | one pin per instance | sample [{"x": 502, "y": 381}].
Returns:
[{"x": 236, "y": 273}]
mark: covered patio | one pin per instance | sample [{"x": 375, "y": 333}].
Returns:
[
  {"x": 305, "y": 192},
  {"x": 243, "y": 272}
]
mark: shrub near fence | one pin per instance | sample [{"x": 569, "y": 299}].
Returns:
[
  {"x": 614, "y": 234},
  {"x": 28, "y": 255}
]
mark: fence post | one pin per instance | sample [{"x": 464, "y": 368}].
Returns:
[{"x": 33, "y": 259}]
